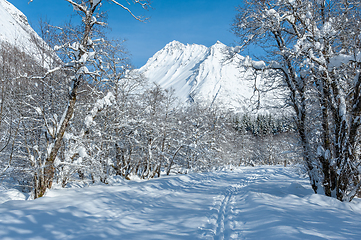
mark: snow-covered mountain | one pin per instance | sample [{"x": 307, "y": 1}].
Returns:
[
  {"x": 15, "y": 29},
  {"x": 199, "y": 73}
]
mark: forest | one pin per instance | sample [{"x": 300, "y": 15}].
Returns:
[{"x": 84, "y": 114}]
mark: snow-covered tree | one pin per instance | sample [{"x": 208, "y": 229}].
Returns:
[
  {"x": 313, "y": 48},
  {"x": 83, "y": 65}
]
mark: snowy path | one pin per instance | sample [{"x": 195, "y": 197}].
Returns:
[{"x": 247, "y": 203}]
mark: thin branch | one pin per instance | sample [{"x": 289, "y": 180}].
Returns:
[{"x": 139, "y": 18}]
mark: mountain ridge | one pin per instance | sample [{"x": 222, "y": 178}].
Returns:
[
  {"x": 16, "y": 30},
  {"x": 206, "y": 74}
]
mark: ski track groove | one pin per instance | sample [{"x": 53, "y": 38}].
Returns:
[{"x": 220, "y": 225}]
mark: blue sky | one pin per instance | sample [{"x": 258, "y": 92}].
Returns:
[{"x": 188, "y": 21}]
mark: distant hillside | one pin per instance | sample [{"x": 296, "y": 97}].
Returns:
[{"x": 15, "y": 29}]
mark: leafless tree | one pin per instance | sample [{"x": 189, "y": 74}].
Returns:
[{"x": 313, "y": 46}]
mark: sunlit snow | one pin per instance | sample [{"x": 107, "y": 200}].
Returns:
[{"x": 245, "y": 203}]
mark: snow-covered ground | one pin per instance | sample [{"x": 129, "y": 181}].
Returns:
[{"x": 246, "y": 203}]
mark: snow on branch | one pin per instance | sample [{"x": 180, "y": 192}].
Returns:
[
  {"x": 258, "y": 65},
  {"x": 77, "y": 6},
  {"x": 99, "y": 105},
  {"x": 139, "y": 18},
  {"x": 47, "y": 73},
  {"x": 338, "y": 60}
]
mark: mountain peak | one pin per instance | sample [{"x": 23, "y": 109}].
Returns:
[
  {"x": 198, "y": 73},
  {"x": 175, "y": 44},
  {"x": 219, "y": 45},
  {"x": 178, "y": 45}
]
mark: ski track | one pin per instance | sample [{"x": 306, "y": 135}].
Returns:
[
  {"x": 223, "y": 223},
  {"x": 247, "y": 203},
  {"x": 220, "y": 225}
]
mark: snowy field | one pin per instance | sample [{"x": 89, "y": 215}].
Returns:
[{"x": 246, "y": 203}]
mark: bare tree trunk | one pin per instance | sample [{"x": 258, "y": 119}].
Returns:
[{"x": 49, "y": 169}]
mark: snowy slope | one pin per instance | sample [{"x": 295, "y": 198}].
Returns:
[
  {"x": 246, "y": 203},
  {"x": 15, "y": 29},
  {"x": 198, "y": 73}
]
